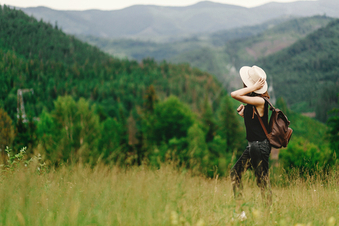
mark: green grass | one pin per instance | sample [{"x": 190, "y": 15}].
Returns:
[{"x": 80, "y": 195}]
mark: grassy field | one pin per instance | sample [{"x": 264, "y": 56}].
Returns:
[{"x": 80, "y": 195}]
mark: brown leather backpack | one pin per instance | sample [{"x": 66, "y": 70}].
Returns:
[{"x": 279, "y": 133}]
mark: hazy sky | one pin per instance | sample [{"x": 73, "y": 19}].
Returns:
[{"x": 119, "y": 4}]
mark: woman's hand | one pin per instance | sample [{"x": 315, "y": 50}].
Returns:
[
  {"x": 240, "y": 110},
  {"x": 260, "y": 83},
  {"x": 241, "y": 96}
]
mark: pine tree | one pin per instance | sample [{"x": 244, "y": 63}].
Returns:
[
  {"x": 333, "y": 130},
  {"x": 147, "y": 117},
  {"x": 132, "y": 131},
  {"x": 110, "y": 141},
  {"x": 208, "y": 121},
  {"x": 150, "y": 99},
  {"x": 22, "y": 137},
  {"x": 6, "y": 131},
  {"x": 229, "y": 128}
]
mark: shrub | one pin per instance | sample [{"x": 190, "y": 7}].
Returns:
[{"x": 306, "y": 156}]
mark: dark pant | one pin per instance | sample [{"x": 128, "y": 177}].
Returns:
[{"x": 256, "y": 155}]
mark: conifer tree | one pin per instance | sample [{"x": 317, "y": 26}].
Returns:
[
  {"x": 281, "y": 104},
  {"x": 6, "y": 131},
  {"x": 208, "y": 121},
  {"x": 132, "y": 131},
  {"x": 22, "y": 137},
  {"x": 333, "y": 131},
  {"x": 146, "y": 114},
  {"x": 110, "y": 141},
  {"x": 150, "y": 99},
  {"x": 229, "y": 128}
]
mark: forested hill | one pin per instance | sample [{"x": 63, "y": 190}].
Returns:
[
  {"x": 39, "y": 56},
  {"x": 307, "y": 73},
  {"x": 245, "y": 51},
  {"x": 35, "y": 40},
  {"x": 94, "y": 107}
]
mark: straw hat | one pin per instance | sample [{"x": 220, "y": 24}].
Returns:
[{"x": 250, "y": 75}]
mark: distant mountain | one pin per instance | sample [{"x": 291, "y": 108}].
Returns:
[
  {"x": 158, "y": 22},
  {"x": 306, "y": 74},
  {"x": 139, "y": 49},
  {"x": 221, "y": 53},
  {"x": 248, "y": 50},
  {"x": 225, "y": 61}
]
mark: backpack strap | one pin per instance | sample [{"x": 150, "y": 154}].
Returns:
[
  {"x": 268, "y": 101},
  {"x": 261, "y": 122}
]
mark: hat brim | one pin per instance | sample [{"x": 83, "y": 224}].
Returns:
[{"x": 244, "y": 77}]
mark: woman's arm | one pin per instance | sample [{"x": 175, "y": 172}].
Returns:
[{"x": 240, "y": 94}]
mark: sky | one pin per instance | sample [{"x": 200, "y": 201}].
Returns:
[{"x": 119, "y": 4}]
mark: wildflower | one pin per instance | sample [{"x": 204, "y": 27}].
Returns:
[
  {"x": 242, "y": 216},
  {"x": 283, "y": 222},
  {"x": 174, "y": 218},
  {"x": 182, "y": 220},
  {"x": 201, "y": 222},
  {"x": 256, "y": 214},
  {"x": 21, "y": 217},
  {"x": 331, "y": 221}
]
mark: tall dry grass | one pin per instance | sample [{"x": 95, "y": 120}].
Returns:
[{"x": 79, "y": 195}]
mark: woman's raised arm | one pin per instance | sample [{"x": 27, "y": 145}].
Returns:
[{"x": 241, "y": 96}]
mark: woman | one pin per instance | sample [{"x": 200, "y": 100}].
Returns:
[{"x": 256, "y": 155}]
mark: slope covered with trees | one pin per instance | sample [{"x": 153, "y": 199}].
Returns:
[
  {"x": 93, "y": 107},
  {"x": 245, "y": 51},
  {"x": 306, "y": 73},
  {"x": 53, "y": 64},
  {"x": 221, "y": 52}
]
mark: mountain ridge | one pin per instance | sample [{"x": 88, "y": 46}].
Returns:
[
  {"x": 164, "y": 21},
  {"x": 222, "y": 53}
]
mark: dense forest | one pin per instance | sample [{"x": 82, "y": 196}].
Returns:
[{"x": 88, "y": 106}]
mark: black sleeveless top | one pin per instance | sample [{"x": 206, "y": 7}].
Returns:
[{"x": 254, "y": 131}]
